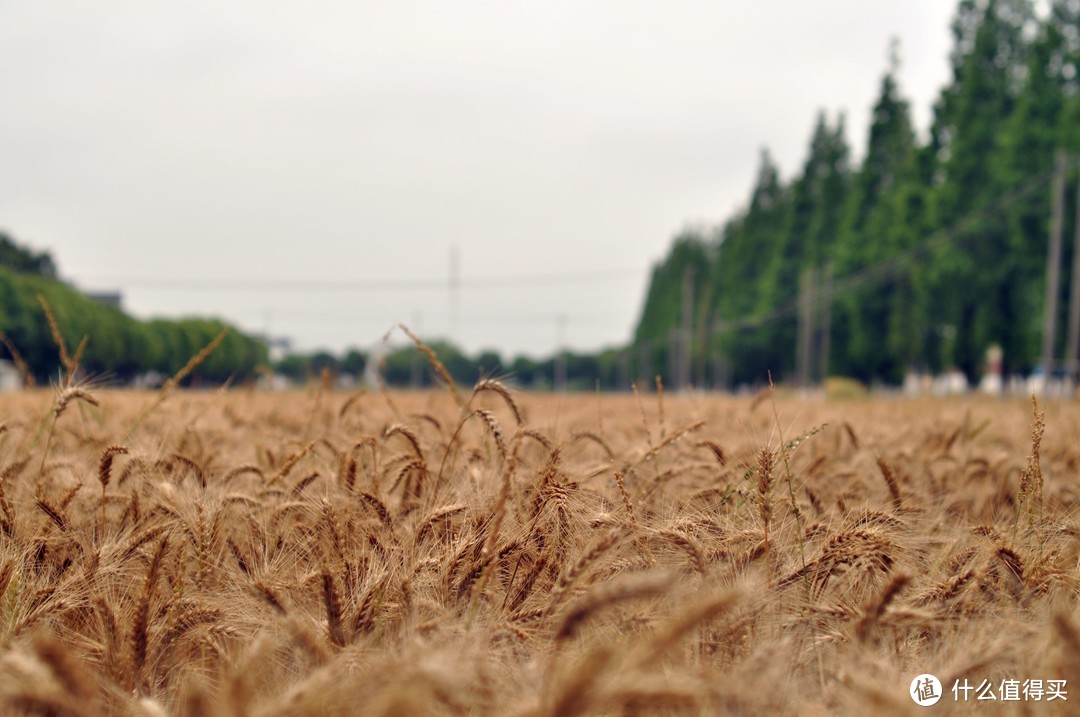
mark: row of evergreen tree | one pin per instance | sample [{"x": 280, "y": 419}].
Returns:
[{"x": 936, "y": 246}]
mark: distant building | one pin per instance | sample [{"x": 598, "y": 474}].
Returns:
[
  {"x": 10, "y": 378},
  {"x": 109, "y": 298}
]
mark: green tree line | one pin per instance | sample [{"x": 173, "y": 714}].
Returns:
[
  {"x": 118, "y": 346},
  {"x": 937, "y": 246},
  {"x": 408, "y": 367}
]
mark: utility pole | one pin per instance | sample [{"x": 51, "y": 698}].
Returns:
[
  {"x": 645, "y": 370},
  {"x": 720, "y": 371},
  {"x": 674, "y": 363},
  {"x": 1072, "y": 343},
  {"x": 720, "y": 378},
  {"x": 804, "y": 356},
  {"x": 701, "y": 332},
  {"x": 1053, "y": 264},
  {"x": 455, "y": 293},
  {"x": 622, "y": 371},
  {"x": 682, "y": 380},
  {"x": 416, "y": 368},
  {"x": 826, "y": 323},
  {"x": 560, "y": 356}
]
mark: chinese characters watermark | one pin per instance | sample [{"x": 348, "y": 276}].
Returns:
[{"x": 926, "y": 690}]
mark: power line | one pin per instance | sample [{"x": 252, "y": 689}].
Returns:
[
  {"x": 334, "y": 317},
  {"x": 321, "y": 285}
]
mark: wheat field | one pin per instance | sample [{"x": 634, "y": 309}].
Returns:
[{"x": 484, "y": 552}]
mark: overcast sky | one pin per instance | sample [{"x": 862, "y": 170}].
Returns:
[{"x": 307, "y": 168}]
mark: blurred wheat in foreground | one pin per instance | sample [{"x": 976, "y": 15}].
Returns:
[{"x": 240, "y": 553}]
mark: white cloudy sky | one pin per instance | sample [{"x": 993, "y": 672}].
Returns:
[{"x": 307, "y": 167}]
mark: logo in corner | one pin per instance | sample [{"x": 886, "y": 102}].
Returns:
[{"x": 925, "y": 690}]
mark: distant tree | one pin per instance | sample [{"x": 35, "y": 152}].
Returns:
[
  {"x": 878, "y": 208},
  {"x": 489, "y": 363},
  {"x": 818, "y": 200},
  {"x": 354, "y": 363},
  {"x": 740, "y": 264},
  {"x": 527, "y": 372},
  {"x": 967, "y": 276},
  {"x": 463, "y": 369},
  {"x": 294, "y": 367},
  {"x": 1039, "y": 125},
  {"x": 24, "y": 260},
  {"x": 663, "y": 302},
  {"x": 323, "y": 360}
]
